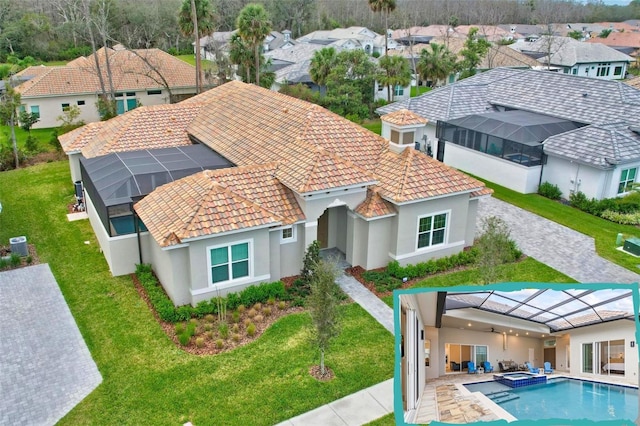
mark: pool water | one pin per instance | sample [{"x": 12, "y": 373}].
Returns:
[{"x": 566, "y": 399}]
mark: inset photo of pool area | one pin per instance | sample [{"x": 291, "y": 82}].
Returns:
[{"x": 563, "y": 353}]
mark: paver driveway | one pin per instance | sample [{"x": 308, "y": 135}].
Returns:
[{"x": 45, "y": 366}]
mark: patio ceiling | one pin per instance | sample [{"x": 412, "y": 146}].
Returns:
[{"x": 559, "y": 310}]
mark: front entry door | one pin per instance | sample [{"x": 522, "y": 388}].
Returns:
[{"x": 323, "y": 229}]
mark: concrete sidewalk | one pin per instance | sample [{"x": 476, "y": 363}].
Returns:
[{"x": 356, "y": 409}]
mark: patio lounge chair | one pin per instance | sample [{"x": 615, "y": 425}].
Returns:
[
  {"x": 455, "y": 366},
  {"x": 471, "y": 367},
  {"x": 534, "y": 370},
  {"x": 547, "y": 368},
  {"x": 487, "y": 367}
]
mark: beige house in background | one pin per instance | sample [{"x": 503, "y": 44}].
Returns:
[
  {"x": 273, "y": 174},
  {"x": 140, "y": 77}
]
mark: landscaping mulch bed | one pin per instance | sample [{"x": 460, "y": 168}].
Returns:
[
  {"x": 208, "y": 329},
  {"x": 31, "y": 259}
]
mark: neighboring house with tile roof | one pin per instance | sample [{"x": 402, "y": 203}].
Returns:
[
  {"x": 349, "y": 39},
  {"x": 626, "y": 42},
  {"x": 569, "y": 56},
  {"x": 519, "y": 128},
  {"x": 249, "y": 178},
  {"x": 140, "y": 77}
]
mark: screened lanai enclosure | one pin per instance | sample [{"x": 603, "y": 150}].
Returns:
[
  {"x": 115, "y": 182},
  {"x": 514, "y": 136}
]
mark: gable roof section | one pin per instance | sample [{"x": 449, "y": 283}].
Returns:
[
  {"x": 581, "y": 99},
  {"x": 146, "y": 127},
  {"x": 411, "y": 175},
  {"x": 568, "y": 52},
  {"x": 601, "y": 146},
  {"x": 73, "y": 141},
  {"x": 212, "y": 202},
  {"x": 374, "y": 205},
  {"x": 615, "y": 39},
  {"x": 129, "y": 72},
  {"x": 316, "y": 149}
]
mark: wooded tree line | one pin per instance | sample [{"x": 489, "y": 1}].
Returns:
[{"x": 57, "y": 29}]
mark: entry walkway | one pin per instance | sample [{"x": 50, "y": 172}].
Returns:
[
  {"x": 563, "y": 249},
  {"x": 45, "y": 365}
]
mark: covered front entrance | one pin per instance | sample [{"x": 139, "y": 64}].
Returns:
[{"x": 332, "y": 228}]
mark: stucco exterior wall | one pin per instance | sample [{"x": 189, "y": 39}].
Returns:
[
  {"x": 403, "y": 246},
  {"x": 615, "y": 330},
  {"x": 51, "y": 107},
  {"x": 591, "y": 70},
  {"x": 379, "y": 234},
  {"x": 121, "y": 253},
  {"x": 572, "y": 177},
  {"x": 290, "y": 254},
  {"x": 74, "y": 166},
  {"x": 506, "y": 173},
  {"x": 171, "y": 268},
  {"x": 259, "y": 264},
  {"x": 315, "y": 205}
]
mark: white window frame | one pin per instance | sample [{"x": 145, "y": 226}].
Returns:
[
  {"x": 292, "y": 239},
  {"x": 447, "y": 214},
  {"x": 230, "y": 281},
  {"x": 627, "y": 181},
  {"x": 398, "y": 90}
]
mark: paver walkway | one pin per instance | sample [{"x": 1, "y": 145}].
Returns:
[
  {"x": 45, "y": 365},
  {"x": 369, "y": 301},
  {"x": 557, "y": 246}
]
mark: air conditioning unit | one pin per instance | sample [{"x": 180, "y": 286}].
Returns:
[
  {"x": 632, "y": 245},
  {"x": 19, "y": 246}
]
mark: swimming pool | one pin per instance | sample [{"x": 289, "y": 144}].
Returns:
[{"x": 564, "y": 398}]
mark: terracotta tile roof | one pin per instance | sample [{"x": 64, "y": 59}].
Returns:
[
  {"x": 316, "y": 149},
  {"x": 129, "y": 72},
  {"x": 412, "y": 175},
  {"x": 146, "y": 127},
  {"x": 481, "y": 193},
  {"x": 216, "y": 201},
  {"x": 374, "y": 205},
  {"x": 76, "y": 139},
  {"x": 626, "y": 39},
  {"x": 403, "y": 117}
]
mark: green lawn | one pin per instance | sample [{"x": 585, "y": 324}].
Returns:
[
  {"x": 419, "y": 90},
  {"x": 527, "y": 270},
  {"x": 603, "y": 231},
  {"x": 374, "y": 125},
  {"x": 191, "y": 59},
  {"x": 146, "y": 379},
  {"x": 43, "y": 136}
]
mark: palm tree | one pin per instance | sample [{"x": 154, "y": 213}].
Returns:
[
  {"x": 240, "y": 55},
  {"x": 436, "y": 64},
  {"x": 397, "y": 72},
  {"x": 195, "y": 18},
  {"x": 385, "y": 6},
  {"x": 321, "y": 65},
  {"x": 253, "y": 26}
]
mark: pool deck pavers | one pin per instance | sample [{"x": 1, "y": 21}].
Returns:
[{"x": 45, "y": 366}]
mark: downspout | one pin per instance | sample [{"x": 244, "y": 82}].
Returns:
[{"x": 575, "y": 181}]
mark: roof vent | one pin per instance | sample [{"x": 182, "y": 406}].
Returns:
[
  {"x": 584, "y": 95},
  {"x": 635, "y": 129}
]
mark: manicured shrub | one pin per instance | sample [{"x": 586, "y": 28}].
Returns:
[
  {"x": 235, "y": 316},
  {"x": 266, "y": 310},
  {"x": 199, "y": 342},
  {"x": 251, "y": 330},
  {"x": 180, "y": 328},
  {"x": 258, "y": 318},
  {"x": 209, "y": 334},
  {"x": 282, "y": 305},
  {"x": 252, "y": 313},
  {"x": 246, "y": 322},
  {"x": 257, "y": 307},
  {"x": 29, "y": 260},
  {"x": 235, "y": 337},
  {"x": 235, "y": 328},
  {"x": 14, "y": 260},
  {"x": 191, "y": 328},
  {"x": 223, "y": 330},
  {"x": 184, "y": 338},
  {"x": 209, "y": 318},
  {"x": 4, "y": 263},
  {"x": 241, "y": 309},
  {"x": 622, "y": 218},
  {"x": 219, "y": 344},
  {"x": 549, "y": 190},
  {"x": 208, "y": 327},
  {"x": 271, "y": 301}
]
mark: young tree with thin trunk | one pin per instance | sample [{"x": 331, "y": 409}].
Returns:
[
  {"x": 323, "y": 307},
  {"x": 195, "y": 18},
  {"x": 253, "y": 27},
  {"x": 9, "y": 104}
]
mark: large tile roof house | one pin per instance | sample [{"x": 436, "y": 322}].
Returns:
[
  {"x": 276, "y": 174},
  {"x": 519, "y": 128},
  {"x": 140, "y": 77}
]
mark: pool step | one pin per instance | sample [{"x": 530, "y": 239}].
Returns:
[
  {"x": 497, "y": 395},
  {"x": 508, "y": 397}
]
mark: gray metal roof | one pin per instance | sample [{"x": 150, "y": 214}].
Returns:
[
  {"x": 601, "y": 146},
  {"x": 518, "y": 126},
  {"x": 558, "y": 310},
  {"x": 122, "y": 176}
]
